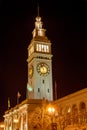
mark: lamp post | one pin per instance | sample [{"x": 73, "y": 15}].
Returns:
[
  {"x": 16, "y": 121},
  {"x": 2, "y": 125},
  {"x": 51, "y": 110}
]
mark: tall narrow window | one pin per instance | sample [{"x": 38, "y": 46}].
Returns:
[
  {"x": 43, "y": 81},
  {"x": 37, "y": 47},
  {"x": 47, "y": 49},
  {"x": 44, "y": 48},
  {"x": 38, "y": 89}
]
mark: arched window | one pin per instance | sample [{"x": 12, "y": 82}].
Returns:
[
  {"x": 82, "y": 107},
  {"x": 74, "y": 114},
  {"x": 74, "y": 109}
]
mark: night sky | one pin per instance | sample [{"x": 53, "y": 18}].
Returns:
[{"x": 66, "y": 26}]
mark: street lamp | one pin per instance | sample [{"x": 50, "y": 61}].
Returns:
[
  {"x": 2, "y": 125},
  {"x": 51, "y": 110},
  {"x": 15, "y": 120}
]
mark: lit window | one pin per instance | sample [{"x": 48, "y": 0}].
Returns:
[
  {"x": 42, "y": 48},
  {"x": 39, "y": 47},
  {"x": 47, "y": 49},
  {"x": 69, "y": 110}
]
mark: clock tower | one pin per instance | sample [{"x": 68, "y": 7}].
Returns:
[{"x": 39, "y": 60}]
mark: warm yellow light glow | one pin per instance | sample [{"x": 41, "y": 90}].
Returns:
[
  {"x": 2, "y": 126},
  {"x": 43, "y": 69},
  {"x": 51, "y": 110},
  {"x": 15, "y": 120},
  {"x": 42, "y": 48},
  {"x": 69, "y": 110}
]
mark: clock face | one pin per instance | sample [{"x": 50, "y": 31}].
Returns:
[
  {"x": 31, "y": 69},
  {"x": 43, "y": 69}
]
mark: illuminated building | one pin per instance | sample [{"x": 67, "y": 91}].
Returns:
[
  {"x": 39, "y": 64},
  {"x": 71, "y": 111},
  {"x": 67, "y": 113},
  {"x": 1, "y": 125}
]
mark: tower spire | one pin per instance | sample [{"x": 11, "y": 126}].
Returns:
[
  {"x": 38, "y": 30},
  {"x": 38, "y": 10}
]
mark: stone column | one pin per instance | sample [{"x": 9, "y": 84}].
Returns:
[
  {"x": 27, "y": 120},
  {"x": 22, "y": 122},
  {"x": 11, "y": 123}
]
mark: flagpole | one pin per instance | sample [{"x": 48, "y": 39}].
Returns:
[
  {"x": 17, "y": 100},
  {"x": 8, "y": 103},
  {"x": 55, "y": 90}
]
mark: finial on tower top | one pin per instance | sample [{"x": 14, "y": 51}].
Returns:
[
  {"x": 38, "y": 10},
  {"x": 38, "y": 18}
]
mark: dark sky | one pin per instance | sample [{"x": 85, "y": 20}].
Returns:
[{"x": 66, "y": 25}]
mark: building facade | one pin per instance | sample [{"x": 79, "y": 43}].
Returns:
[
  {"x": 32, "y": 114},
  {"x": 72, "y": 111},
  {"x": 67, "y": 113}
]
